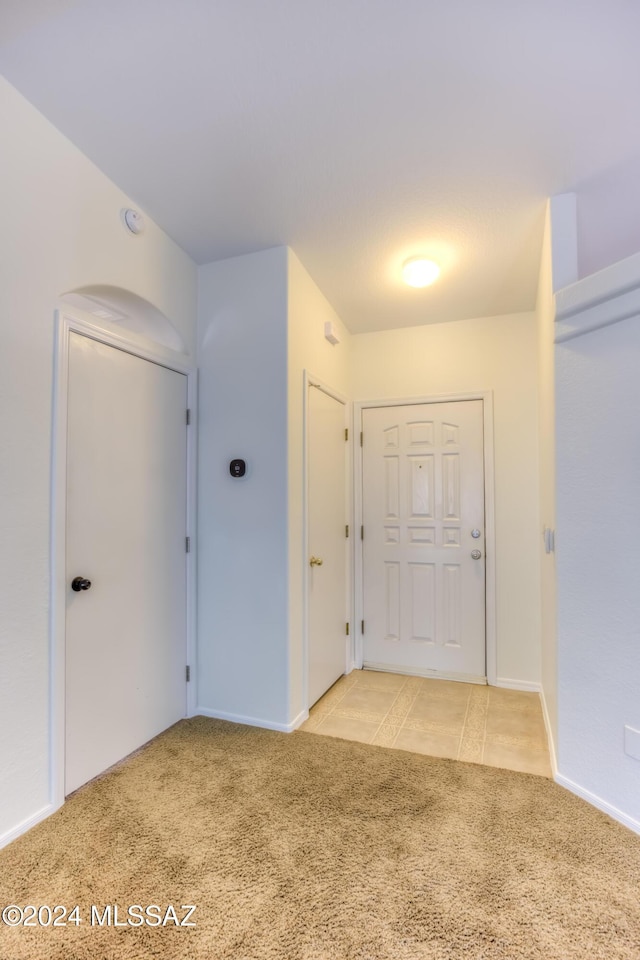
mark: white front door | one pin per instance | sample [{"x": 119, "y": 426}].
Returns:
[
  {"x": 126, "y": 525},
  {"x": 423, "y": 548},
  {"x": 327, "y": 560}
]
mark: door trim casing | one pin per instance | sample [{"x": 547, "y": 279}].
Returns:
[
  {"x": 66, "y": 322},
  {"x": 310, "y": 380},
  {"x": 489, "y": 506}
]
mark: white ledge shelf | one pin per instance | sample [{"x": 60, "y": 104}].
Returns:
[{"x": 597, "y": 301}]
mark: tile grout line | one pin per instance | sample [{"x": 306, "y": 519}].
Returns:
[
  {"x": 481, "y": 740},
  {"x": 406, "y": 716},
  {"x": 398, "y": 692},
  {"x": 484, "y": 729},
  {"x": 464, "y": 723},
  {"x": 378, "y": 729},
  {"x": 484, "y": 724}
]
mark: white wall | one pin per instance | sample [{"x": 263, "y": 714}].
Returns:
[
  {"x": 261, "y": 324},
  {"x": 598, "y": 521},
  {"x": 308, "y": 310},
  {"x": 607, "y": 217},
  {"x": 61, "y": 229},
  {"x": 498, "y": 354},
  {"x": 545, "y": 316},
  {"x": 243, "y": 621}
]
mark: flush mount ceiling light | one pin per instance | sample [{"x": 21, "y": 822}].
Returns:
[{"x": 418, "y": 272}]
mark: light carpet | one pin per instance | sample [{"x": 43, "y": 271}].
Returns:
[{"x": 299, "y": 847}]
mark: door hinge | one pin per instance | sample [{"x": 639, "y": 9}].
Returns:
[
  {"x": 362, "y": 626},
  {"x": 362, "y": 533},
  {"x": 188, "y": 673},
  {"x": 346, "y": 530},
  {"x": 188, "y": 417},
  {"x": 187, "y": 544},
  {"x": 361, "y": 438},
  {"x": 347, "y": 629},
  {"x": 346, "y": 433}
]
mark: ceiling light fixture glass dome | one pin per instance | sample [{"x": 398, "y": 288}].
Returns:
[{"x": 418, "y": 272}]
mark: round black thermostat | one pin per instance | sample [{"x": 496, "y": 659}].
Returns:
[{"x": 237, "y": 468}]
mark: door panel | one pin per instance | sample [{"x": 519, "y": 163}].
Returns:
[
  {"x": 126, "y": 526},
  {"x": 423, "y": 495},
  {"x": 327, "y": 590}
]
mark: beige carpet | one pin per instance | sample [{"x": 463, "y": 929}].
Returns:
[{"x": 299, "y": 846}]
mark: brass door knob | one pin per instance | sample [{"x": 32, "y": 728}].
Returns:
[{"x": 315, "y": 562}]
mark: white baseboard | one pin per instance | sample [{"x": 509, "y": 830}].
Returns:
[
  {"x": 27, "y": 824},
  {"x": 518, "y": 684},
  {"x": 550, "y": 739},
  {"x": 253, "y": 721},
  {"x": 598, "y": 802},
  {"x": 300, "y": 719}
]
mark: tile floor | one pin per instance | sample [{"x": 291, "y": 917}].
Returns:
[{"x": 442, "y": 718}]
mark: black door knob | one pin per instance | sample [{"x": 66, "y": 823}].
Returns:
[{"x": 80, "y": 583}]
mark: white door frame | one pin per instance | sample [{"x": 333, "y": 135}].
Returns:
[
  {"x": 310, "y": 380},
  {"x": 66, "y": 323},
  {"x": 489, "y": 510}
]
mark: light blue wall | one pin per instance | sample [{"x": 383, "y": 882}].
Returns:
[
  {"x": 243, "y": 629},
  {"x": 598, "y": 538}
]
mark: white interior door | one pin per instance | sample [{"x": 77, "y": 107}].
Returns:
[
  {"x": 327, "y": 561},
  {"x": 126, "y": 524},
  {"x": 423, "y": 548}
]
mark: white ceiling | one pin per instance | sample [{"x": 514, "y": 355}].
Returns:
[{"x": 359, "y": 132}]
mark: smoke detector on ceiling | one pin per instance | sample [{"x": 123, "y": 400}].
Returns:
[{"x": 133, "y": 220}]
